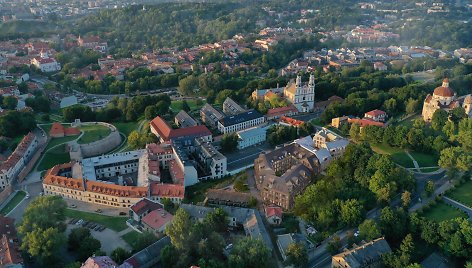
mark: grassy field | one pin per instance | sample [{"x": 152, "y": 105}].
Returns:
[
  {"x": 441, "y": 212},
  {"x": 114, "y": 223},
  {"x": 398, "y": 155},
  {"x": 425, "y": 160},
  {"x": 57, "y": 141},
  {"x": 126, "y": 128},
  {"x": 93, "y": 133},
  {"x": 176, "y": 106},
  {"x": 131, "y": 238},
  {"x": 13, "y": 202},
  {"x": 409, "y": 122},
  {"x": 56, "y": 156},
  {"x": 463, "y": 193}
]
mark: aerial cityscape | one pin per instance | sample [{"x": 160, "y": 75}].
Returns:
[{"x": 235, "y": 133}]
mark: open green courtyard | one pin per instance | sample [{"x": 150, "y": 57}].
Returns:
[
  {"x": 126, "y": 128},
  {"x": 398, "y": 155},
  {"x": 57, "y": 155},
  {"x": 442, "y": 211},
  {"x": 114, "y": 223},
  {"x": 19, "y": 196},
  {"x": 93, "y": 133},
  {"x": 424, "y": 159},
  {"x": 176, "y": 106},
  {"x": 462, "y": 194}
]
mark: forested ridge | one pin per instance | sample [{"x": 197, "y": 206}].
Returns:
[{"x": 170, "y": 25}]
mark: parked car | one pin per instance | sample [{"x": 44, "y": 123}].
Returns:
[
  {"x": 97, "y": 227},
  {"x": 79, "y": 222},
  {"x": 73, "y": 206}
]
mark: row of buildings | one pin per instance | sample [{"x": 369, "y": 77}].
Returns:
[{"x": 21, "y": 156}]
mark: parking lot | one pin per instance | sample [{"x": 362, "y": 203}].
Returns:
[
  {"x": 245, "y": 156},
  {"x": 108, "y": 238}
]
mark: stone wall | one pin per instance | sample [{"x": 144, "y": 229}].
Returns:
[{"x": 102, "y": 146}]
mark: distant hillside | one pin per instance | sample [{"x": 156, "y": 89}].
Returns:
[
  {"x": 175, "y": 24},
  {"x": 24, "y": 29}
]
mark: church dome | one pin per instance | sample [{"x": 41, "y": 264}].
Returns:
[{"x": 444, "y": 90}]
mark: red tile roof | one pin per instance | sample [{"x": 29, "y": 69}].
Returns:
[
  {"x": 145, "y": 205},
  {"x": 167, "y": 133},
  {"x": 365, "y": 122},
  {"x": 158, "y": 218},
  {"x": 375, "y": 113},
  {"x": 76, "y": 184},
  {"x": 59, "y": 129},
  {"x": 291, "y": 121},
  {"x": 19, "y": 152},
  {"x": 10, "y": 251},
  {"x": 273, "y": 211},
  {"x": 281, "y": 111},
  {"x": 56, "y": 129},
  {"x": 116, "y": 190},
  {"x": 167, "y": 190},
  {"x": 71, "y": 131}
]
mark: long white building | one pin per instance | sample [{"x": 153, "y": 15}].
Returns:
[{"x": 235, "y": 123}]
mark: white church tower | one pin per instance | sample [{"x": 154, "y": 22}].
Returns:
[{"x": 302, "y": 96}]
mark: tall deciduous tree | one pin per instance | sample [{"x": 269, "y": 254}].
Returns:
[
  {"x": 179, "y": 229},
  {"x": 297, "y": 254},
  {"x": 369, "y": 230},
  {"x": 249, "y": 252}
]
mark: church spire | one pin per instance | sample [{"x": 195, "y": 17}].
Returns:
[
  {"x": 299, "y": 81},
  {"x": 312, "y": 80}
]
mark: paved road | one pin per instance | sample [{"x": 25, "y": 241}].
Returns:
[
  {"x": 246, "y": 156},
  {"x": 33, "y": 190}
]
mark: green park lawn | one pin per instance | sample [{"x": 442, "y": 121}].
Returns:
[
  {"x": 398, "y": 155},
  {"x": 176, "y": 106},
  {"x": 126, "y": 128},
  {"x": 93, "y": 133},
  {"x": 425, "y": 160},
  {"x": 442, "y": 211},
  {"x": 463, "y": 193},
  {"x": 13, "y": 202},
  {"x": 131, "y": 238},
  {"x": 409, "y": 122},
  {"x": 56, "y": 141},
  {"x": 55, "y": 156},
  {"x": 114, "y": 223}
]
